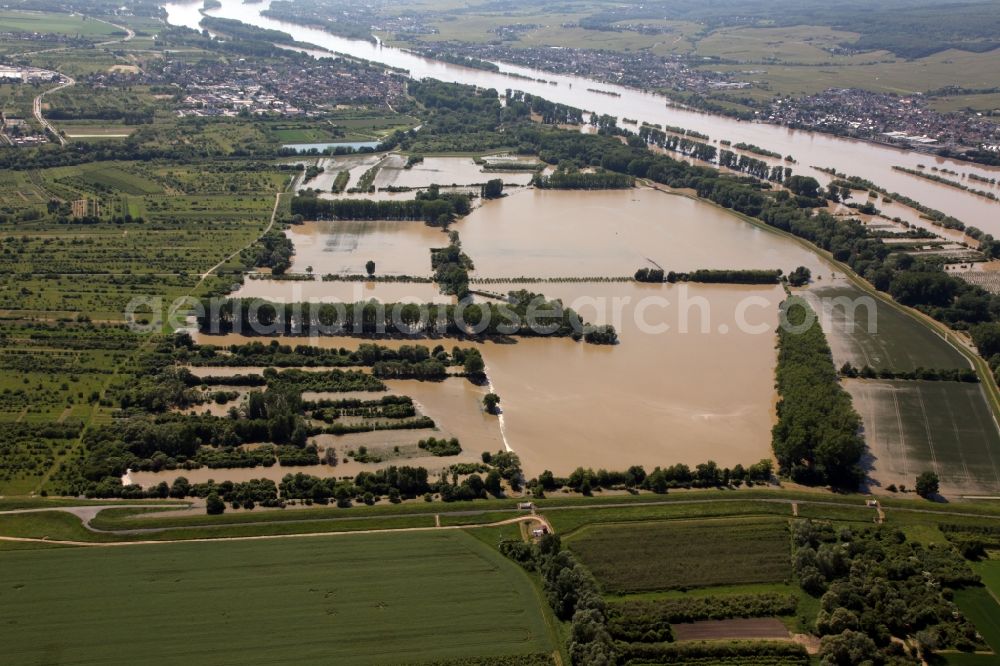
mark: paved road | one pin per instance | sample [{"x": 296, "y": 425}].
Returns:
[{"x": 69, "y": 81}]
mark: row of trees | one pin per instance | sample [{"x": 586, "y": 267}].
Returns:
[
  {"x": 582, "y": 180},
  {"x": 924, "y": 374},
  {"x": 704, "y": 475},
  {"x": 817, "y": 437},
  {"x": 522, "y": 314},
  {"x": 431, "y": 206},
  {"x": 573, "y": 594}
]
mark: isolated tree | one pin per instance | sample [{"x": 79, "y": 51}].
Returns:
[
  {"x": 799, "y": 276},
  {"x": 927, "y": 484},
  {"x": 370, "y": 267},
  {"x": 491, "y": 401},
  {"x": 492, "y": 189},
  {"x": 214, "y": 505}
]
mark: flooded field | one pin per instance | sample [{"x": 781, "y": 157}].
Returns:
[
  {"x": 700, "y": 389},
  {"x": 612, "y": 233},
  {"x": 441, "y": 171},
  {"x": 342, "y": 291},
  {"x": 454, "y": 404},
  {"x": 344, "y": 247},
  {"x": 913, "y": 427},
  {"x": 687, "y": 394}
]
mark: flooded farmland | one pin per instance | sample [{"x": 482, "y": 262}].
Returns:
[
  {"x": 612, "y": 233},
  {"x": 441, "y": 171},
  {"x": 352, "y": 291},
  {"x": 344, "y": 247},
  {"x": 686, "y": 384}
]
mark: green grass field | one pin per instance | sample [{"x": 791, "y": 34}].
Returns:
[
  {"x": 679, "y": 555},
  {"x": 982, "y": 608},
  {"x": 946, "y": 427},
  {"x": 361, "y": 599},
  {"x": 990, "y": 572},
  {"x": 48, "y": 22},
  {"x": 882, "y": 338}
]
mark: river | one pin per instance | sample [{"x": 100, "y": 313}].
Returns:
[{"x": 858, "y": 158}]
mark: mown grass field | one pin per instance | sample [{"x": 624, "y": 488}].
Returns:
[
  {"x": 982, "y": 608},
  {"x": 49, "y": 22},
  {"x": 678, "y": 555},
  {"x": 358, "y": 599},
  {"x": 882, "y": 338},
  {"x": 911, "y": 427}
]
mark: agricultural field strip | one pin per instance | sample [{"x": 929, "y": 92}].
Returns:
[{"x": 305, "y": 516}]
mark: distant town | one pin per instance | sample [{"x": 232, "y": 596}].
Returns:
[{"x": 901, "y": 120}]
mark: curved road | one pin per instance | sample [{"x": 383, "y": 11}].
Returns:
[
  {"x": 63, "y": 542},
  {"x": 69, "y": 80},
  {"x": 87, "y": 513}
]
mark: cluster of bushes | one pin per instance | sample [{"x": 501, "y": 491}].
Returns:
[
  {"x": 817, "y": 438},
  {"x": 388, "y": 406},
  {"x": 440, "y": 447},
  {"x": 340, "y": 182},
  {"x": 875, "y": 586},
  {"x": 924, "y": 374},
  {"x": 277, "y": 355},
  {"x": 418, "y": 423},
  {"x": 779, "y": 653},
  {"x": 973, "y": 541},
  {"x": 274, "y": 250},
  {"x": 451, "y": 267}
]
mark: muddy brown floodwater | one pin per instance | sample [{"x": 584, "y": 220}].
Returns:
[
  {"x": 344, "y": 247},
  {"x": 702, "y": 389},
  {"x": 612, "y": 233}
]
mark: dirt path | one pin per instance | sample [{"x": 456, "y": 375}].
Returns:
[{"x": 150, "y": 542}]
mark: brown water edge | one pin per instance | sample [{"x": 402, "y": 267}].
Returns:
[
  {"x": 686, "y": 394},
  {"x": 544, "y": 233}
]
